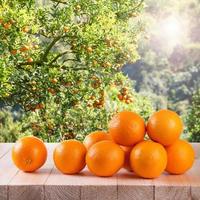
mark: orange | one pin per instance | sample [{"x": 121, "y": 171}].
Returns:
[
  {"x": 13, "y": 51},
  {"x": 180, "y": 157},
  {"x": 30, "y": 60},
  {"x": 105, "y": 158},
  {"x": 127, "y": 128},
  {"x": 7, "y": 25},
  {"x": 95, "y": 137},
  {"x": 29, "y": 153},
  {"x": 69, "y": 156},
  {"x": 24, "y": 48},
  {"x": 165, "y": 127},
  {"x": 127, "y": 152},
  {"x": 148, "y": 159}
]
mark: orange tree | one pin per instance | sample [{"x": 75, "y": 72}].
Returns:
[{"x": 61, "y": 63}]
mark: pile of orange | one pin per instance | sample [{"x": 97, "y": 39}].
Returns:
[{"x": 123, "y": 145}]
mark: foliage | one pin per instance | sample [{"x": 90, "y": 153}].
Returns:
[
  {"x": 193, "y": 119},
  {"x": 79, "y": 121},
  {"x": 9, "y": 129},
  {"x": 59, "y": 61}
]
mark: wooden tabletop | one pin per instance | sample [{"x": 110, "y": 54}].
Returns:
[{"x": 49, "y": 184}]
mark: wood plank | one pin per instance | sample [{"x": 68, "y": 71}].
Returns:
[
  {"x": 193, "y": 179},
  {"x": 99, "y": 188},
  {"x": 31, "y": 185},
  {"x": 172, "y": 187},
  {"x": 4, "y": 148},
  {"x": 131, "y": 186},
  {"x": 196, "y": 147},
  {"x": 83, "y": 185},
  {"x": 7, "y": 172}
]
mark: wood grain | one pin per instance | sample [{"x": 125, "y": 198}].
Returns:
[
  {"x": 193, "y": 179},
  {"x": 4, "y": 148},
  {"x": 7, "y": 172},
  {"x": 62, "y": 192},
  {"x": 83, "y": 185},
  {"x": 172, "y": 187},
  {"x": 28, "y": 192},
  {"x": 196, "y": 147},
  {"x": 132, "y": 187},
  {"x": 172, "y": 192}
]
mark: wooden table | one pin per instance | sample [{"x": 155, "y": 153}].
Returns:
[{"x": 49, "y": 184}]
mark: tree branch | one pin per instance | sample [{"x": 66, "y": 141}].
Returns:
[
  {"x": 69, "y": 59},
  {"x": 58, "y": 56},
  {"x": 29, "y": 63},
  {"x": 59, "y": 1},
  {"x": 56, "y": 39},
  {"x": 139, "y": 4}
]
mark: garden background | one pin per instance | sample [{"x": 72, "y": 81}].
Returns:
[{"x": 67, "y": 66}]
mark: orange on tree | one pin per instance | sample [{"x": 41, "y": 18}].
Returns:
[
  {"x": 39, "y": 106},
  {"x": 52, "y": 91},
  {"x": 30, "y": 60},
  {"x": 165, "y": 127},
  {"x": 54, "y": 80},
  {"x": 24, "y": 48},
  {"x": 69, "y": 156},
  {"x": 13, "y": 51},
  {"x": 127, "y": 152},
  {"x": 89, "y": 49},
  {"x": 105, "y": 158},
  {"x": 95, "y": 137},
  {"x": 127, "y": 128},
  {"x": 66, "y": 29},
  {"x": 29, "y": 153},
  {"x": 180, "y": 157},
  {"x": 7, "y": 25},
  {"x": 148, "y": 159},
  {"x": 25, "y": 29}
]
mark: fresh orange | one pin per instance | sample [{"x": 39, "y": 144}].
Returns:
[
  {"x": 13, "y": 51},
  {"x": 148, "y": 159},
  {"x": 105, "y": 158},
  {"x": 127, "y": 128},
  {"x": 29, "y": 153},
  {"x": 24, "y": 48},
  {"x": 180, "y": 157},
  {"x": 165, "y": 127},
  {"x": 95, "y": 137},
  {"x": 30, "y": 60},
  {"x": 25, "y": 29},
  {"x": 127, "y": 152},
  {"x": 69, "y": 156},
  {"x": 54, "y": 80},
  {"x": 7, "y": 25}
]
